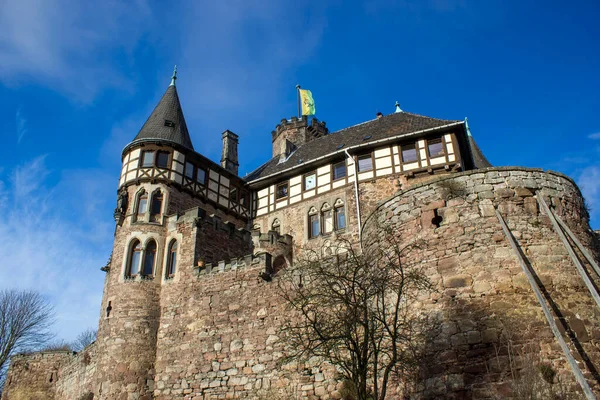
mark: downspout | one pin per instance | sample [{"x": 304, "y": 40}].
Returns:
[{"x": 356, "y": 196}]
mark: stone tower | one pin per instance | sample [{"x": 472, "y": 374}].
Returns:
[
  {"x": 291, "y": 134},
  {"x": 143, "y": 252}
]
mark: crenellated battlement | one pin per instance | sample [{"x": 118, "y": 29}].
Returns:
[
  {"x": 294, "y": 132},
  {"x": 248, "y": 261},
  {"x": 318, "y": 128},
  {"x": 201, "y": 219}
]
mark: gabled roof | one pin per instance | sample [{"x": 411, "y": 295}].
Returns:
[
  {"x": 156, "y": 127},
  {"x": 388, "y": 126}
]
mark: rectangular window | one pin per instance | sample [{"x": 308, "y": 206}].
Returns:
[
  {"x": 189, "y": 170},
  {"x": 339, "y": 170},
  {"x": 282, "y": 190},
  {"x": 162, "y": 159},
  {"x": 435, "y": 147},
  {"x": 233, "y": 195},
  {"x": 365, "y": 163},
  {"x": 409, "y": 153},
  {"x": 147, "y": 158},
  {"x": 327, "y": 222},
  {"x": 340, "y": 218},
  {"x": 310, "y": 181},
  {"x": 314, "y": 228},
  {"x": 201, "y": 176}
]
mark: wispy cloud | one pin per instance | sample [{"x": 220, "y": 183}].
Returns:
[
  {"x": 53, "y": 240},
  {"x": 594, "y": 136},
  {"x": 70, "y": 45}
]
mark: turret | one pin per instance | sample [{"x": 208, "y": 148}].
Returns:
[
  {"x": 145, "y": 250},
  {"x": 293, "y": 133}
]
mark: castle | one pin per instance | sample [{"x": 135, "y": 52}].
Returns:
[{"x": 189, "y": 309}]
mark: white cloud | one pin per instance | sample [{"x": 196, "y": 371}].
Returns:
[
  {"x": 594, "y": 136},
  {"x": 54, "y": 240},
  {"x": 70, "y": 45}
]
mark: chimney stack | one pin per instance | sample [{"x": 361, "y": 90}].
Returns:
[{"x": 229, "y": 157}]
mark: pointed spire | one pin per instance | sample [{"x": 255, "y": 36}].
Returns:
[
  {"x": 398, "y": 109},
  {"x": 166, "y": 122},
  {"x": 174, "y": 77}
]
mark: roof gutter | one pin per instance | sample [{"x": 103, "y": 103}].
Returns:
[{"x": 357, "y": 147}]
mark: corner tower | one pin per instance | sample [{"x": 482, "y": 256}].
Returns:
[{"x": 144, "y": 252}]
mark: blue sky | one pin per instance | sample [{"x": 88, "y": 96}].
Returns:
[{"x": 77, "y": 81}]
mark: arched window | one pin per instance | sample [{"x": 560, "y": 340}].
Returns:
[
  {"x": 172, "y": 259},
  {"x": 156, "y": 206},
  {"x": 142, "y": 204},
  {"x": 339, "y": 215},
  {"x": 133, "y": 262},
  {"x": 276, "y": 226},
  {"x": 149, "y": 257},
  {"x": 327, "y": 218},
  {"x": 256, "y": 228},
  {"x": 314, "y": 223}
]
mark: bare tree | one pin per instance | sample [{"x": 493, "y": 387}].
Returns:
[
  {"x": 25, "y": 321},
  {"x": 84, "y": 339},
  {"x": 354, "y": 310}
]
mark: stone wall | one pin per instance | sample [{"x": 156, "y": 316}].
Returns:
[
  {"x": 491, "y": 324},
  {"x": 34, "y": 376}
]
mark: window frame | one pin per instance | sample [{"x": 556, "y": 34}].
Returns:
[
  {"x": 435, "y": 141},
  {"x": 185, "y": 169},
  {"x": 333, "y": 178},
  {"x": 154, "y": 217},
  {"x": 196, "y": 175},
  {"x": 141, "y": 196},
  {"x": 143, "y": 158},
  {"x": 317, "y": 217},
  {"x": 133, "y": 248},
  {"x": 167, "y": 163},
  {"x": 146, "y": 253},
  {"x": 404, "y": 148},
  {"x": 364, "y": 157},
  {"x": 304, "y": 180},
  {"x": 336, "y": 212},
  {"x": 171, "y": 268},
  {"x": 287, "y": 190}
]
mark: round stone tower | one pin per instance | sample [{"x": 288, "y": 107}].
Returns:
[
  {"x": 487, "y": 311},
  {"x": 144, "y": 253}
]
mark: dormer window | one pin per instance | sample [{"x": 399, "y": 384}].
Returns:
[{"x": 169, "y": 123}]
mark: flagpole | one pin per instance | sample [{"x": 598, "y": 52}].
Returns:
[{"x": 299, "y": 105}]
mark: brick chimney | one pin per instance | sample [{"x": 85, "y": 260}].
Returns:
[{"x": 229, "y": 157}]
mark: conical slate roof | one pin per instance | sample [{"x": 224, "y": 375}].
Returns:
[
  {"x": 479, "y": 159},
  {"x": 167, "y": 122}
]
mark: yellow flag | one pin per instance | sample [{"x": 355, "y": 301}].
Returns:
[{"x": 308, "y": 104}]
